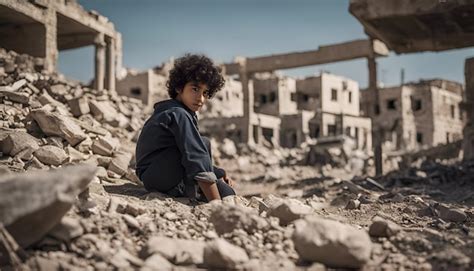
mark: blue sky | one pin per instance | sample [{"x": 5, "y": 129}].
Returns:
[{"x": 155, "y": 30}]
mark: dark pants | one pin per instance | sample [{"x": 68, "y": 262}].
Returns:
[{"x": 166, "y": 174}]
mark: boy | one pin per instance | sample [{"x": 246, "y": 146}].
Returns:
[{"x": 171, "y": 155}]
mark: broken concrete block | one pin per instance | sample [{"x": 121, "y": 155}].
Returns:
[
  {"x": 289, "y": 211},
  {"x": 105, "y": 145},
  {"x": 103, "y": 110},
  {"x": 227, "y": 218},
  {"x": 156, "y": 262},
  {"x": 221, "y": 254},
  {"x": 17, "y": 97},
  {"x": 18, "y": 141},
  {"x": 67, "y": 229},
  {"x": 51, "y": 155},
  {"x": 74, "y": 155},
  {"x": 383, "y": 228},
  {"x": 187, "y": 251},
  {"x": 54, "y": 124},
  {"x": 26, "y": 199},
  {"x": 79, "y": 106},
  {"x": 120, "y": 162},
  {"x": 450, "y": 214},
  {"x": 46, "y": 99},
  {"x": 331, "y": 243}
]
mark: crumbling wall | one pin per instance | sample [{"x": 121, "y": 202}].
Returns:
[
  {"x": 135, "y": 85},
  {"x": 308, "y": 92},
  {"x": 339, "y": 95}
]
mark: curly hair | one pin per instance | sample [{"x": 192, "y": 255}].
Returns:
[{"x": 194, "y": 68}]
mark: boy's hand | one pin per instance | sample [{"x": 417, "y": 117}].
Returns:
[{"x": 229, "y": 181}]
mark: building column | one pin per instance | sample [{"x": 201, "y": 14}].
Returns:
[
  {"x": 468, "y": 132},
  {"x": 51, "y": 41},
  {"x": 99, "y": 65},
  {"x": 376, "y": 129},
  {"x": 110, "y": 75},
  {"x": 248, "y": 99}
]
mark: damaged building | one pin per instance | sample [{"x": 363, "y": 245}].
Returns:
[
  {"x": 42, "y": 28},
  {"x": 413, "y": 115}
]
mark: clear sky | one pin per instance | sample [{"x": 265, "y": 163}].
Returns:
[{"x": 153, "y": 31}]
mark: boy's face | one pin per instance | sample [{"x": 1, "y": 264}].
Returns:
[{"x": 193, "y": 95}]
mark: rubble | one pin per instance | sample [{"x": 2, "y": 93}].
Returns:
[
  {"x": 30, "y": 197},
  {"x": 221, "y": 254},
  {"x": 51, "y": 155},
  {"x": 331, "y": 243},
  {"x": 290, "y": 211},
  {"x": 227, "y": 218},
  {"x": 383, "y": 228}
]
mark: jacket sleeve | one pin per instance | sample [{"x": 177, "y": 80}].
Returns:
[{"x": 194, "y": 156}]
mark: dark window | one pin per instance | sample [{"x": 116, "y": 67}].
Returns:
[
  {"x": 263, "y": 98},
  {"x": 272, "y": 97},
  {"x": 460, "y": 112},
  {"x": 136, "y": 91},
  {"x": 348, "y": 131},
  {"x": 419, "y": 138},
  {"x": 391, "y": 104},
  {"x": 293, "y": 97},
  {"x": 344, "y": 85},
  {"x": 305, "y": 97},
  {"x": 331, "y": 130},
  {"x": 333, "y": 94},
  {"x": 416, "y": 105},
  {"x": 453, "y": 109},
  {"x": 447, "y": 137},
  {"x": 350, "y": 96}
]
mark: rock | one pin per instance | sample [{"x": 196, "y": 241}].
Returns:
[
  {"x": 353, "y": 204},
  {"x": 289, "y": 211},
  {"x": 51, "y": 155},
  {"x": 331, "y": 243},
  {"x": 17, "y": 97},
  {"x": 26, "y": 199},
  {"x": 74, "y": 155},
  {"x": 58, "y": 125},
  {"x": 131, "y": 221},
  {"x": 187, "y": 251},
  {"x": 79, "y": 106},
  {"x": 450, "y": 214},
  {"x": 383, "y": 228},
  {"x": 227, "y": 218},
  {"x": 19, "y": 141},
  {"x": 105, "y": 145},
  {"x": 67, "y": 229},
  {"x": 103, "y": 111},
  {"x": 156, "y": 262},
  {"x": 221, "y": 254},
  {"x": 120, "y": 162}
]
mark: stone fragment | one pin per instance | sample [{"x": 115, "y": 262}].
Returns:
[
  {"x": 383, "y": 228},
  {"x": 79, "y": 106},
  {"x": 57, "y": 125},
  {"x": 17, "y": 97},
  {"x": 156, "y": 262},
  {"x": 331, "y": 243},
  {"x": 226, "y": 218},
  {"x": 105, "y": 145},
  {"x": 74, "y": 155},
  {"x": 51, "y": 155},
  {"x": 289, "y": 211},
  {"x": 221, "y": 254},
  {"x": 189, "y": 251},
  {"x": 120, "y": 162},
  {"x": 26, "y": 199},
  {"x": 18, "y": 141},
  {"x": 67, "y": 229},
  {"x": 353, "y": 204},
  {"x": 131, "y": 221},
  {"x": 103, "y": 110},
  {"x": 450, "y": 214}
]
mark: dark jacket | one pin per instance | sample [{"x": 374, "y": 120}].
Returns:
[{"x": 173, "y": 125}]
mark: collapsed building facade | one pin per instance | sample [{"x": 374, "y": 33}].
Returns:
[
  {"x": 42, "y": 28},
  {"x": 413, "y": 115}
]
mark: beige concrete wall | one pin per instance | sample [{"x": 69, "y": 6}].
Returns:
[
  {"x": 273, "y": 96},
  {"x": 447, "y": 120},
  {"x": 344, "y": 88},
  {"x": 295, "y": 128},
  {"x": 136, "y": 85},
  {"x": 359, "y": 128}
]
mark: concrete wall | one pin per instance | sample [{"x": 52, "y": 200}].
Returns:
[
  {"x": 295, "y": 128},
  {"x": 227, "y": 103},
  {"x": 308, "y": 93},
  {"x": 275, "y": 95},
  {"x": 347, "y": 95},
  {"x": 447, "y": 124},
  {"x": 136, "y": 85}
]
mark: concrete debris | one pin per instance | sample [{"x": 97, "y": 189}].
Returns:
[
  {"x": 289, "y": 211},
  {"x": 51, "y": 155},
  {"x": 18, "y": 141},
  {"x": 67, "y": 229},
  {"x": 383, "y": 228},
  {"x": 331, "y": 243},
  {"x": 26, "y": 199},
  {"x": 178, "y": 251},
  {"x": 105, "y": 145},
  {"x": 221, "y": 254},
  {"x": 227, "y": 218}
]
